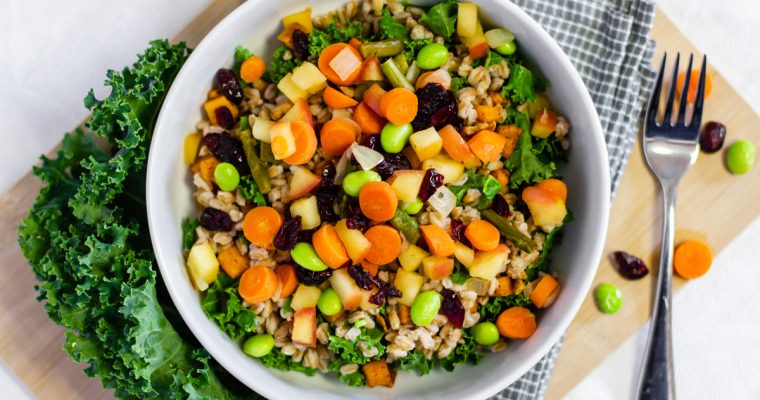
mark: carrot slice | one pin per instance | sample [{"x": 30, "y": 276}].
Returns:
[
  {"x": 373, "y": 96},
  {"x": 335, "y": 99},
  {"x": 337, "y": 135},
  {"x": 438, "y": 241},
  {"x": 287, "y": 275},
  {"x": 482, "y": 234},
  {"x": 554, "y": 186},
  {"x": 332, "y": 51},
  {"x": 487, "y": 145},
  {"x": 693, "y": 82},
  {"x": 692, "y": 259},
  {"x": 261, "y": 224},
  {"x": 257, "y": 284},
  {"x": 232, "y": 261},
  {"x": 545, "y": 292},
  {"x": 386, "y": 244},
  {"x": 378, "y": 201},
  {"x": 328, "y": 246},
  {"x": 369, "y": 122},
  {"x": 516, "y": 323},
  {"x": 252, "y": 69},
  {"x": 355, "y": 43},
  {"x": 306, "y": 143},
  {"x": 399, "y": 106},
  {"x": 370, "y": 267}
]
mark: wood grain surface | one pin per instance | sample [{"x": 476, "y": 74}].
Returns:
[{"x": 711, "y": 201}]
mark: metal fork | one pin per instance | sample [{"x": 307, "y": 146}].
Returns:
[{"x": 670, "y": 149}]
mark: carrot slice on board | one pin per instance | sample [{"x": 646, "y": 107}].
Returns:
[
  {"x": 693, "y": 83},
  {"x": 386, "y": 244},
  {"x": 692, "y": 259},
  {"x": 257, "y": 284},
  {"x": 261, "y": 224},
  {"x": 516, "y": 323},
  {"x": 378, "y": 201}
]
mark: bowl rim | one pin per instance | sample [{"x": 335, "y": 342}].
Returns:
[{"x": 485, "y": 389}]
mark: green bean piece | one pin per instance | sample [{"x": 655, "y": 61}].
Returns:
[
  {"x": 394, "y": 75},
  {"x": 258, "y": 169},
  {"x": 383, "y": 48},
  {"x": 402, "y": 63},
  {"x": 406, "y": 225},
  {"x": 266, "y": 153},
  {"x": 413, "y": 73},
  {"x": 509, "y": 231}
]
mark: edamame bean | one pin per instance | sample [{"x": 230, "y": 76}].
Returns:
[
  {"x": 432, "y": 56},
  {"x": 608, "y": 298},
  {"x": 329, "y": 302},
  {"x": 485, "y": 333},
  {"x": 393, "y": 138},
  {"x": 258, "y": 345},
  {"x": 740, "y": 156},
  {"x": 304, "y": 255},
  {"x": 424, "y": 307},
  {"x": 507, "y": 48},
  {"x": 412, "y": 207},
  {"x": 226, "y": 176},
  {"x": 353, "y": 182}
]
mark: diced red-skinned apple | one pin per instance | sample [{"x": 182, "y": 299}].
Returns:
[
  {"x": 305, "y": 297},
  {"x": 464, "y": 254},
  {"x": 457, "y": 148},
  {"x": 260, "y": 129},
  {"x": 290, "y": 89},
  {"x": 299, "y": 112},
  {"x": 489, "y": 264},
  {"x": 439, "y": 76},
  {"x": 372, "y": 97},
  {"x": 426, "y": 143},
  {"x": 203, "y": 265},
  {"x": 547, "y": 209},
  {"x": 406, "y": 183},
  {"x": 305, "y": 327},
  {"x": 371, "y": 70},
  {"x": 411, "y": 257},
  {"x": 443, "y": 164},
  {"x": 544, "y": 124},
  {"x": 350, "y": 294},
  {"x": 308, "y": 77},
  {"x": 357, "y": 246},
  {"x": 437, "y": 268},
  {"x": 367, "y": 305},
  {"x": 409, "y": 283},
  {"x": 467, "y": 19},
  {"x": 283, "y": 141},
  {"x": 302, "y": 183},
  {"x": 307, "y": 209}
]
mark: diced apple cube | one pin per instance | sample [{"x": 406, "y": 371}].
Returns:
[
  {"x": 464, "y": 254},
  {"x": 308, "y": 77},
  {"x": 544, "y": 124},
  {"x": 444, "y": 165},
  {"x": 305, "y": 327},
  {"x": 406, "y": 183},
  {"x": 290, "y": 89},
  {"x": 467, "y": 19},
  {"x": 302, "y": 183},
  {"x": 411, "y": 257},
  {"x": 305, "y": 296},
  {"x": 437, "y": 268},
  {"x": 299, "y": 112},
  {"x": 409, "y": 283},
  {"x": 350, "y": 294},
  {"x": 203, "y": 265},
  {"x": 456, "y": 147},
  {"x": 488, "y": 264},
  {"x": 371, "y": 70},
  {"x": 426, "y": 143},
  {"x": 260, "y": 129},
  {"x": 367, "y": 305},
  {"x": 356, "y": 244},
  {"x": 547, "y": 209},
  {"x": 308, "y": 210}
]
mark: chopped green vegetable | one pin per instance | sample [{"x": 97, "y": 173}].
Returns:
[
  {"x": 390, "y": 28},
  {"x": 356, "y": 379},
  {"x": 394, "y": 75},
  {"x": 279, "y": 66},
  {"x": 520, "y": 240},
  {"x": 491, "y": 310},
  {"x": 241, "y": 54},
  {"x": 519, "y": 87},
  {"x": 415, "y": 361},
  {"x": 277, "y": 360},
  {"x": 347, "y": 350},
  {"x": 406, "y": 225},
  {"x": 333, "y": 33},
  {"x": 251, "y": 192},
  {"x": 411, "y": 47},
  {"x": 222, "y": 303},
  {"x": 552, "y": 238},
  {"x": 258, "y": 169},
  {"x": 532, "y": 161},
  {"x": 441, "y": 18},
  {"x": 465, "y": 353},
  {"x": 493, "y": 58},
  {"x": 383, "y": 48},
  {"x": 458, "y": 82},
  {"x": 486, "y": 184},
  {"x": 188, "y": 232},
  {"x": 461, "y": 273},
  {"x": 318, "y": 40}
]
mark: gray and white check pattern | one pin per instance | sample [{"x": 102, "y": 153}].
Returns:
[{"x": 608, "y": 42}]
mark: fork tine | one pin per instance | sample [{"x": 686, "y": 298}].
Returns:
[
  {"x": 654, "y": 99},
  {"x": 684, "y": 101},
  {"x": 696, "y": 119},
  {"x": 671, "y": 93}
]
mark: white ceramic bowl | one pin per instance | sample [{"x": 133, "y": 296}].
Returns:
[{"x": 169, "y": 198}]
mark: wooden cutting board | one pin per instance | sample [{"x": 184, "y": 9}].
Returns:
[{"x": 30, "y": 344}]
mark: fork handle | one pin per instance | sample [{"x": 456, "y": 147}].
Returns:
[{"x": 656, "y": 381}]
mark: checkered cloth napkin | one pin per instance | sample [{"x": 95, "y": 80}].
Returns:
[{"x": 608, "y": 42}]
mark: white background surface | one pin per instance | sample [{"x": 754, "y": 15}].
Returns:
[{"x": 53, "y": 52}]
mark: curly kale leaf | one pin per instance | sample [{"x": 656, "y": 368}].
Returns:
[
  {"x": 533, "y": 159},
  {"x": 390, "y": 28},
  {"x": 333, "y": 33},
  {"x": 348, "y": 351},
  {"x": 251, "y": 192},
  {"x": 491, "y": 310},
  {"x": 416, "y": 361},
  {"x": 466, "y": 352},
  {"x": 552, "y": 238},
  {"x": 280, "y": 66},
  {"x": 486, "y": 184},
  {"x": 441, "y": 18},
  {"x": 277, "y": 360},
  {"x": 222, "y": 303},
  {"x": 353, "y": 379}
]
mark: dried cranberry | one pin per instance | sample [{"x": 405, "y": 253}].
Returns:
[
  {"x": 224, "y": 117},
  {"x": 385, "y": 289},
  {"x": 327, "y": 173},
  {"x": 392, "y": 163},
  {"x": 359, "y": 223},
  {"x": 436, "y": 106},
  {"x": 452, "y": 308},
  {"x": 362, "y": 278},
  {"x": 312, "y": 278},
  {"x": 326, "y": 203},
  {"x": 228, "y": 85},
  {"x": 287, "y": 236},
  {"x": 430, "y": 183},
  {"x": 305, "y": 235},
  {"x": 215, "y": 220},
  {"x": 630, "y": 266},
  {"x": 713, "y": 135},
  {"x": 457, "y": 230},
  {"x": 371, "y": 141},
  {"x": 227, "y": 149},
  {"x": 500, "y": 206},
  {"x": 300, "y": 44}
]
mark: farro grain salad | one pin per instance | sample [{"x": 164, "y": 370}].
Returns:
[{"x": 382, "y": 196}]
